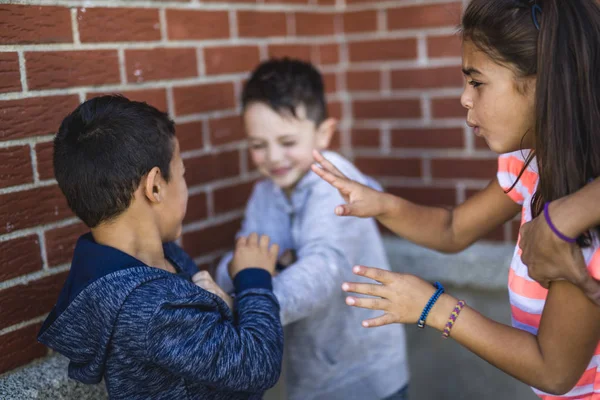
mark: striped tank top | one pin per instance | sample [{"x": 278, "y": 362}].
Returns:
[{"x": 527, "y": 298}]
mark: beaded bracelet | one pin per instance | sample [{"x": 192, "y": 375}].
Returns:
[
  {"x": 452, "y": 319},
  {"x": 554, "y": 229},
  {"x": 430, "y": 303}
]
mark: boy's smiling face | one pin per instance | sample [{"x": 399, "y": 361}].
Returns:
[{"x": 281, "y": 145}]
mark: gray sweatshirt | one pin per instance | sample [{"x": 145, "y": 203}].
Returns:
[{"x": 329, "y": 354}]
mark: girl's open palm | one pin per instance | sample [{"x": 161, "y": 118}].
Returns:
[{"x": 361, "y": 200}]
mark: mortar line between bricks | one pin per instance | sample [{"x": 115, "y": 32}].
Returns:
[
  {"x": 21, "y": 325},
  {"x": 319, "y": 39},
  {"x": 32, "y": 141},
  {"x": 210, "y": 203},
  {"x": 31, "y": 231},
  {"x": 25, "y": 279},
  {"x": 22, "y": 70},
  {"x": 43, "y": 249},
  {"x": 233, "y": 24},
  {"x": 394, "y": 4},
  {"x": 162, "y": 20},
  {"x": 34, "y": 164},
  {"x": 210, "y": 257},
  {"x": 75, "y": 26},
  {"x": 122, "y": 67},
  {"x": 192, "y": 6},
  {"x": 27, "y": 186}
]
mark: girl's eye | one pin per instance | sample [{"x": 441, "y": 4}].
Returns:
[
  {"x": 475, "y": 83},
  {"x": 289, "y": 144},
  {"x": 257, "y": 146}
]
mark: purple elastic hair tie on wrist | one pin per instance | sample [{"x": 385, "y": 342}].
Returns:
[{"x": 554, "y": 229}]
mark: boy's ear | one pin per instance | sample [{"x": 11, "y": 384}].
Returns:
[
  {"x": 152, "y": 185},
  {"x": 325, "y": 132}
]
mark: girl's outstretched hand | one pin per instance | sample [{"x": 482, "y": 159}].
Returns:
[
  {"x": 401, "y": 296},
  {"x": 362, "y": 201}
]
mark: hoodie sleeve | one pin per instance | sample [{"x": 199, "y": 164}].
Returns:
[{"x": 192, "y": 338}]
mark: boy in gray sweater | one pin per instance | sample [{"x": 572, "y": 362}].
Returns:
[{"x": 329, "y": 356}]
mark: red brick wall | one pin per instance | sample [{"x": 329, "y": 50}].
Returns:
[{"x": 392, "y": 76}]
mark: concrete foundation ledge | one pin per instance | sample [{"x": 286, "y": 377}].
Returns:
[{"x": 482, "y": 266}]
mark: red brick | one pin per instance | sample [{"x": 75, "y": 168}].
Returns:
[
  {"x": 286, "y": 1},
  {"x": 386, "y": 109},
  {"x": 334, "y": 109},
  {"x": 408, "y": 167},
  {"x": 360, "y": 21},
  {"x": 197, "y": 208},
  {"x": 118, "y": 24},
  {"x": 230, "y": 59},
  {"x": 428, "y": 196},
  {"x": 445, "y": 77},
  {"x": 230, "y": 1},
  {"x": 357, "y": 81},
  {"x": 315, "y": 24},
  {"x": 190, "y": 136},
  {"x": 15, "y": 166},
  {"x": 441, "y": 138},
  {"x": 362, "y": 1},
  {"x": 447, "y": 108},
  {"x": 155, "y": 97},
  {"x": 211, "y": 239},
  {"x": 61, "y": 69},
  {"x": 193, "y": 25},
  {"x": 383, "y": 50},
  {"x": 25, "y": 209},
  {"x": 20, "y": 347},
  {"x": 24, "y": 24},
  {"x": 365, "y": 137},
  {"x": 60, "y": 243},
  {"x": 45, "y": 162},
  {"x": 232, "y": 197},
  {"x": 10, "y": 76},
  {"x": 330, "y": 81},
  {"x": 34, "y": 116},
  {"x": 203, "y": 98},
  {"x": 463, "y": 168},
  {"x": 426, "y": 16},
  {"x": 326, "y": 2},
  {"x": 212, "y": 167},
  {"x": 329, "y": 54},
  {"x": 444, "y": 46},
  {"x": 261, "y": 24},
  {"x": 20, "y": 256},
  {"x": 297, "y": 51},
  {"x": 27, "y": 301},
  {"x": 160, "y": 64},
  {"x": 226, "y": 130}
]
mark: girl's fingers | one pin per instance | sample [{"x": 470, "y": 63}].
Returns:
[
  {"x": 377, "y": 274},
  {"x": 370, "y": 289},
  {"x": 371, "y": 304},
  {"x": 326, "y": 164},
  {"x": 385, "y": 319}
]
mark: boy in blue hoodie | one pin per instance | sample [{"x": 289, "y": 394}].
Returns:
[{"x": 129, "y": 311}]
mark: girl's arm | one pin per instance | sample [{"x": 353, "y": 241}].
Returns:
[
  {"x": 547, "y": 256},
  {"x": 446, "y": 230},
  {"x": 553, "y": 361}
]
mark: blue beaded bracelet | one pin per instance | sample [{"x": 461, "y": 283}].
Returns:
[{"x": 430, "y": 303}]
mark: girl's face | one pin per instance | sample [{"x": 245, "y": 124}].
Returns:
[{"x": 496, "y": 109}]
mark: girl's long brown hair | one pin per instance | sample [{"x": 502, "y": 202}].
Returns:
[{"x": 564, "y": 55}]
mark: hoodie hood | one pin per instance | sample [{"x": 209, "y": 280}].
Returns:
[{"x": 81, "y": 324}]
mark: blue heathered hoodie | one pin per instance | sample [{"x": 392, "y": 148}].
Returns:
[{"x": 152, "y": 334}]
